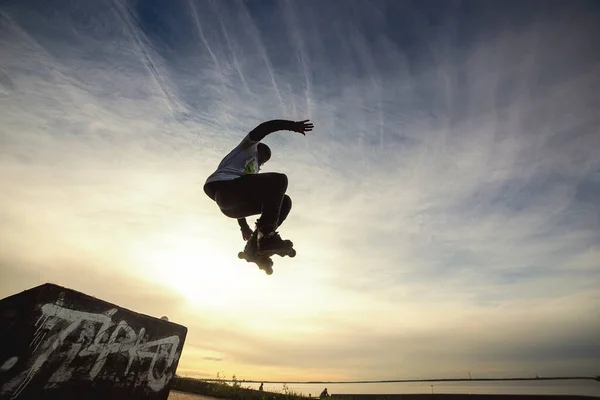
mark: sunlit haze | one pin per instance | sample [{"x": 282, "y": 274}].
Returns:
[{"x": 446, "y": 207}]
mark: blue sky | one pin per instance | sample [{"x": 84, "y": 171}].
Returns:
[{"x": 445, "y": 208}]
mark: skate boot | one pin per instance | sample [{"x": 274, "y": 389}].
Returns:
[
  {"x": 271, "y": 243},
  {"x": 252, "y": 244},
  {"x": 250, "y": 255}
]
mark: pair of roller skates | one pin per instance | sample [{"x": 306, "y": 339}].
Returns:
[{"x": 260, "y": 251}]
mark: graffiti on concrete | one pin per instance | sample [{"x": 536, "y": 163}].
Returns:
[{"x": 65, "y": 336}]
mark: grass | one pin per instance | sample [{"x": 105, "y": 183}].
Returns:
[{"x": 231, "y": 389}]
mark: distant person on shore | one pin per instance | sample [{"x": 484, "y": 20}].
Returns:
[
  {"x": 324, "y": 394},
  {"x": 261, "y": 387}
]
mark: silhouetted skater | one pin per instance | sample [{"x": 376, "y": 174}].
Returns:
[{"x": 241, "y": 191}]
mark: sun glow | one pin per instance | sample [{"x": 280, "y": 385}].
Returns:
[{"x": 198, "y": 266}]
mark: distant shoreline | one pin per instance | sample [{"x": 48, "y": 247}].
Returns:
[
  {"x": 459, "y": 396},
  {"x": 441, "y": 396},
  {"x": 550, "y": 378},
  {"x": 220, "y": 389}
]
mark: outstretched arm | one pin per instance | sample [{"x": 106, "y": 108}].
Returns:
[{"x": 262, "y": 130}]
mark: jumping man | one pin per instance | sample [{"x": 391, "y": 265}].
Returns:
[{"x": 240, "y": 191}]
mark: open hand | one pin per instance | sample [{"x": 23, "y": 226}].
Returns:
[{"x": 303, "y": 126}]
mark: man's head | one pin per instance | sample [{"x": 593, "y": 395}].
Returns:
[{"x": 264, "y": 153}]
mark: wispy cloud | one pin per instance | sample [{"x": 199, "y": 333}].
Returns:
[{"x": 444, "y": 209}]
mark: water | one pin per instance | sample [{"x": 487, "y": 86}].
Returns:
[{"x": 580, "y": 388}]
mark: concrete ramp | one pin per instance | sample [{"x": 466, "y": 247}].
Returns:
[{"x": 56, "y": 343}]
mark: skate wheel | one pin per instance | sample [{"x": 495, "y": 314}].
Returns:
[
  {"x": 292, "y": 253},
  {"x": 269, "y": 271},
  {"x": 241, "y": 255},
  {"x": 265, "y": 264}
]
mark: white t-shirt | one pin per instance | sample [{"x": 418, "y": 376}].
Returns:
[{"x": 240, "y": 161}]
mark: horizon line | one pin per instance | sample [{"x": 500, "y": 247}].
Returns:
[{"x": 552, "y": 378}]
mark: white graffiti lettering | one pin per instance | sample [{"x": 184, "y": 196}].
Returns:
[{"x": 93, "y": 340}]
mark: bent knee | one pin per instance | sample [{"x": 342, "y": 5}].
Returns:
[
  {"x": 286, "y": 203},
  {"x": 279, "y": 180}
]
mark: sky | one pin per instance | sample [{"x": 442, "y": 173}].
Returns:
[{"x": 446, "y": 207}]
